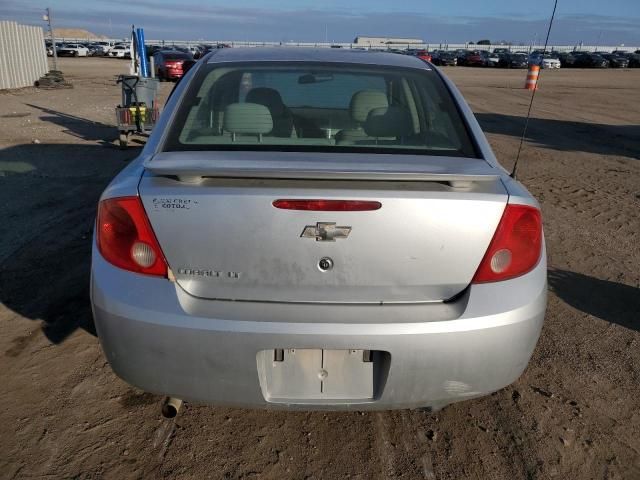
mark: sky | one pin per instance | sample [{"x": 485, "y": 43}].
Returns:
[{"x": 611, "y": 22}]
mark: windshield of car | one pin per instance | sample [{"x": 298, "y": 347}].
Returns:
[{"x": 319, "y": 107}]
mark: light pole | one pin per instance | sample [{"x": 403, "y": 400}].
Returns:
[{"x": 47, "y": 18}]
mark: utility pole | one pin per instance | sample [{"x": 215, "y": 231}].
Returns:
[{"x": 47, "y": 18}]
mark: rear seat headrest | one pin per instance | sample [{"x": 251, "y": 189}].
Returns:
[
  {"x": 247, "y": 118},
  {"x": 268, "y": 97},
  {"x": 364, "y": 101},
  {"x": 392, "y": 121}
]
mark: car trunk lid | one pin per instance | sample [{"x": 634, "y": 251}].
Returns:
[{"x": 214, "y": 216}]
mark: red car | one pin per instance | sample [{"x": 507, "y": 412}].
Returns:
[
  {"x": 168, "y": 64},
  {"x": 423, "y": 55},
  {"x": 477, "y": 58}
]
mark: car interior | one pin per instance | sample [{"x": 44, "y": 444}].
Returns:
[{"x": 324, "y": 107}]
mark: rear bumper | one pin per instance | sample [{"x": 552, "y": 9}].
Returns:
[{"x": 159, "y": 339}]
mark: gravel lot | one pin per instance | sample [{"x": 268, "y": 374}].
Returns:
[{"x": 574, "y": 414}]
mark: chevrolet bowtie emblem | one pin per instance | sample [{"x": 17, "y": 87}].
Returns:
[{"x": 325, "y": 232}]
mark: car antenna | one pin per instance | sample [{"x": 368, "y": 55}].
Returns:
[{"x": 533, "y": 95}]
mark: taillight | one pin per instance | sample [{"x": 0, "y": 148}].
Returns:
[
  {"x": 327, "y": 205},
  {"x": 126, "y": 239},
  {"x": 516, "y": 246}
]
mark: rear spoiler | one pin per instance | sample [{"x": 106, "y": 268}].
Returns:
[{"x": 190, "y": 166}]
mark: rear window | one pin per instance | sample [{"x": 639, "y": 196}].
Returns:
[
  {"x": 176, "y": 56},
  {"x": 318, "y": 107}
]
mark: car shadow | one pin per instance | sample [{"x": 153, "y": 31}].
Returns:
[
  {"x": 79, "y": 127},
  {"x": 610, "y": 301},
  {"x": 568, "y": 136},
  {"x": 48, "y": 209}
]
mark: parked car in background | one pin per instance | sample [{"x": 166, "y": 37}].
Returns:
[
  {"x": 445, "y": 59},
  {"x": 567, "y": 59},
  {"x": 616, "y": 60},
  {"x": 72, "y": 50},
  {"x": 104, "y": 46},
  {"x": 500, "y": 51},
  {"x": 195, "y": 51},
  {"x": 169, "y": 64},
  {"x": 423, "y": 55},
  {"x": 120, "y": 51},
  {"x": 461, "y": 56},
  {"x": 492, "y": 59},
  {"x": 634, "y": 60},
  {"x": 476, "y": 58},
  {"x": 591, "y": 60},
  {"x": 544, "y": 60},
  {"x": 335, "y": 234},
  {"x": 514, "y": 60},
  {"x": 551, "y": 61},
  {"x": 95, "y": 50}
]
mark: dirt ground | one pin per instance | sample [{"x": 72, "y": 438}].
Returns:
[{"x": 574, "y": 414}]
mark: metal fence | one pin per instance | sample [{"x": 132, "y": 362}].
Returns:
[
  {"x": 23, "y": 56},
  {"x": 368, "y": 45}
]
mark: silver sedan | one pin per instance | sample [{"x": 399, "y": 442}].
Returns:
[{"x": 318, "y": 229}]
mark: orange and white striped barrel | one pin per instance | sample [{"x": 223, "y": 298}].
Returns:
[{"x": 532, "y": 77}]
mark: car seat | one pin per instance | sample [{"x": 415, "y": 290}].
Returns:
[
  {"x": 361, "y": 104},
  {"x": 280, "y": 114}
]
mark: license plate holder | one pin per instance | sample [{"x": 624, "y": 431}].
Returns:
[{"x": 316, "y": 374}]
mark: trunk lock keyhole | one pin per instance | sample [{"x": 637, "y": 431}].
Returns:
[{"x": 325, "y": 264}]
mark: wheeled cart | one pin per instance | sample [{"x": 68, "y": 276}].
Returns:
[{"x": 138, "y": 111}]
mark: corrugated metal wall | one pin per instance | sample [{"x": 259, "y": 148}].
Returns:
[{"x": 23, "y": 56}]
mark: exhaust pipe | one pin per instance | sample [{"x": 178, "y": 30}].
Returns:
[{"x": 171, "y": 407}]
